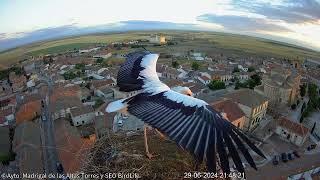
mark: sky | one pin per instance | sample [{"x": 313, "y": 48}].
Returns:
[{"x": 292, "y": 21}]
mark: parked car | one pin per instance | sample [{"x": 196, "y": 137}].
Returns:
[
  {"x": 59, "y": 167},
  {"x": 275, "y": 160},
  {"x": 312, "y": 146},
  {"x": 65, "y": 178},
  {"x": 284, "y": 157},
  {"x": 42, "y": 103},
  {"x": 120, "y": 122},
  {"x": 290, "y": 156},
  {"x": 296, "y": 154}
]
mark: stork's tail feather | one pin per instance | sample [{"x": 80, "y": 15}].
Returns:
[{"x": 116, "y": 106}]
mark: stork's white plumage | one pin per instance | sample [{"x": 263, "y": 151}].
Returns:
[{"x": 188, "y": 121}]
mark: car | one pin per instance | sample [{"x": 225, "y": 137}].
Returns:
[
  {"x": 120, "y": 122},
  {"x": 65, "y": 177},
  {"x": 312, "y": 146},
  {"x": 59, "y": 167},
  {"x": 284, "y": 157},
  {"x": 290, "y": 156},
  {"x": 275, "y": 160},
  {"x": 296, "y": 154}
]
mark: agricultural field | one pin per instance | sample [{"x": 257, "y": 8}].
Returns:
[{"x": 208, "y": 42}]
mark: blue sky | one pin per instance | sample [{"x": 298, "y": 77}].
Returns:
[{"x": 293, "y": 21}]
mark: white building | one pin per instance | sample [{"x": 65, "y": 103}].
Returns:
[
  {"x": 157, "y": 39},
  {"x": 242, "y": 68},
  {"x": 291, "y": 131},
  {"x": 204, "y": 79},
  {"x": 88, "y": 50},
  {"x": 103, "y": 55},
  {"x": 82, "y": 115}
]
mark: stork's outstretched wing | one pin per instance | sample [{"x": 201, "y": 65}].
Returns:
[
  {"x": 139, "y": 72},
  {"x": 195, "y": 126},
  {"x": 188, "y": 121}
]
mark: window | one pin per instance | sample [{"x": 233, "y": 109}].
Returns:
[{"x": 82, "y": 122}]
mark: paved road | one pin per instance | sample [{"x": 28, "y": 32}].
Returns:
[
  {"x": 50, "y": 153},
  {"x": 283, "y": 170}
]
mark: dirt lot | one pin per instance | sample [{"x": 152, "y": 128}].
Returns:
[{"x": 71, "y": 147}]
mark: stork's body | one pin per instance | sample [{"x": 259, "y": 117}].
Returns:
[{"x": 188, "y": 121}]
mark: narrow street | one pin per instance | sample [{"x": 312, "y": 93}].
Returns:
[{"x": 49, "y": 146}]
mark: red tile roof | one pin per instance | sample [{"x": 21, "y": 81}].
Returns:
[
  {"x": 205, "y": 78},
  {"x": 101, "y": 83},
  {"x": 232, "y": 110},
  {"x": 293, "y": 126}
]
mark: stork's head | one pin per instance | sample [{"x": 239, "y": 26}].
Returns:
[{"x": 183, "y": 90}]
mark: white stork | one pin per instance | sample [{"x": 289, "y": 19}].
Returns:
[{"x": 190, "y": 122}]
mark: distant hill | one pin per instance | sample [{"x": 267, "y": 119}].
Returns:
[{"x": 206, "y": 41}]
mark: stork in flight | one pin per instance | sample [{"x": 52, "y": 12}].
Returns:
[{"x": 193, "y": 124}]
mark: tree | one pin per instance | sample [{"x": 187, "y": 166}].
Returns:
[
  {"x": 99, "y": 60},
  {"x": 69, "y": 75},
  {"x": 195, "y": 66},
  {"x": 251, "y": 83},
  {"x": 303, "y": 107},
  {"x": 301, "y": 119},
  {"x": 175, "y": 64},
  {"x": 293, "y": 106},
  {"x": 257, "y": 79},
  {"x": 215, "y": 85},
  {"x": 303, "y": 89},
  {"x": 313, "y": 128},
  {"x": 251, "y": 69},
  {"x": 235, "y": 69},
  {"x": 80, "y": 66}
]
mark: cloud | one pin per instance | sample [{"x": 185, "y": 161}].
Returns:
[
  {"x": 242, "y": 23},
  {"x": 290, "y": 11}
]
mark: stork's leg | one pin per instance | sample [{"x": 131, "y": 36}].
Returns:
[
  {"x": 161, "y": 134},
  {"x": 149, "y": 155}
]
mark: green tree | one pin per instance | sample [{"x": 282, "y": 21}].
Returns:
[
  {"x": 175, "y": 64},
  {"x": 215, "y": 85},
  {"x": 257, "y": 79},
  {"x": 69, "y": 75},
  {"x": 80, "y": 66},
  {"x": 99, "y": 60},
  {"x": 301, "y": 119},
  {"x": 313, "y": 128},
  {"x": 303, "y": 107},
  {"x": 98, "y": 103},
  {"x": 235, "y": 69},
  {"x": 303, "y": 90},
  {"x": 195, "y": 66},
  {"x": 251, "y": 69}
]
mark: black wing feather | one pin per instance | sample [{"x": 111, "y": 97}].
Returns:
[
  {"x": 128, "y": 74},
  {"x": 200, "y": 130}
]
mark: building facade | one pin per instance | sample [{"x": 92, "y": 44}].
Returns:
[
  {"x": 291, "y": 131},
  {"x": 280, "y": 86},
  {"x": 252, "y": 104}
]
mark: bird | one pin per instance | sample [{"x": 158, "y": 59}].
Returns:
[{"x": 190, "y": 122}]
